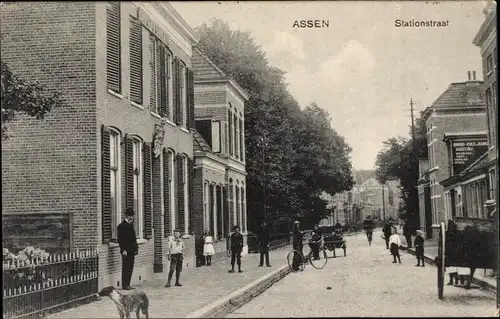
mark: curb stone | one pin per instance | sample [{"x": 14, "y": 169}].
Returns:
[
  {"x": 483, "y": 284},
  {"x": 241, "y": 296}
]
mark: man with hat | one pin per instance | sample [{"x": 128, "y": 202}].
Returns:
[
  {"x": 298, "y": 244},
  {"x": 175, "y": 254},
  {"x": 128, "y": 247}
]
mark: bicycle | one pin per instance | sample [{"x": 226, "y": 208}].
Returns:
[{"x": 317, "y": 263}]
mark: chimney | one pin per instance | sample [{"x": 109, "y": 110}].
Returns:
[
  {"x": 474, "y": 75},
  {"x": 468, "y": 75}
]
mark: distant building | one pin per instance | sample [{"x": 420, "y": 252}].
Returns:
[{"x": 459, "y": 110}]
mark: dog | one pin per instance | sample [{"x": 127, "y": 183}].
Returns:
[{"x": 127, "y": 303}]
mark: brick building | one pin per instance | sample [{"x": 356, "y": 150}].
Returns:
[
  {"x": 124, "y": 138},
  {"x": 460, "y": 109},
  {"x": 219, "y": 152},
  {"x": 486, "y": 40}
]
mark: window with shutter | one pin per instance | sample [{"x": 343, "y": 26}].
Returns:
[
  {"x": 147, "y": 191},
  {"x": 107, "y": 216},
  {"x": 190, "y": 98},
  {"x": 160, "y": 88},
  {"x": 113, "y": 46},
  {"x": 135, "y": 61},
  {"x": 236, "y": 139},
  {"x": 230, "y": 131},
  {"x": 168, "y": 85},
  {"x": 168, "y": 189},
  {"x": 184, "y": 94},
  {"x": 180, "y": 223},
  {"x": 111, "y": 183},
  {"x": 153, "y": 104},
  {"x": 242, "y": 142}
]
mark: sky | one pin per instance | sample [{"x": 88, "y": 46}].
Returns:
[{"x": 361, "y": 69}]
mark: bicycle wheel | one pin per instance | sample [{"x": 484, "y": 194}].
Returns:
[
  {"x": 318, "y": 262},
  {"x": 295, "y": 261}
]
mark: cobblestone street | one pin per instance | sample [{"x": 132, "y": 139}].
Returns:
[{"x": 366, "y": 283}]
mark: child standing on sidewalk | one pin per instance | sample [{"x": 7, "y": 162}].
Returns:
[
  {"x": 419, "y": 248},
  {"x": 394, "y": 243},
  {"x": 208, "y": 247}
]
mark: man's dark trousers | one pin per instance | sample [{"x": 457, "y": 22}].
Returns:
[
  {"x": 127, "y": 269},
  {"x": 408, "y": 240},
  {"x": 264, "y": 253}
]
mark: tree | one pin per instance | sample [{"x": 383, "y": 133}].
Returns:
[
  {"x": 290, "y": 153},
  {"x": 398, "y": 161},
  {"x": 22, "y": 97}
]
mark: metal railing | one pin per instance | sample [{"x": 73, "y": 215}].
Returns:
[
  {"x": 36, "y": 286},
  {"x": 277, "y": 241}
]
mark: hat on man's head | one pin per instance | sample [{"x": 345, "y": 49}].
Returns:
[
  {"x": 296, "y": 222},
  {"x": 129, "y": 212}
]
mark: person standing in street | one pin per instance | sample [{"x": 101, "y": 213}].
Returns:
[
  {"x": 128, "y": 247},
  {"x": 298, "y": 244},
  {"x": 387, "y": 233},
  {"x": 236, "y": 248},
  {"x": 368, "y": 226},
  {"x": 175, "y": 254},
  {"x": 395, "y": 242},
  {"x": 264, "y": 241},
  {"x": 419, "y": 248},
  {"x": 407, "y": 233},
  {"x": 208, "y": 247}
]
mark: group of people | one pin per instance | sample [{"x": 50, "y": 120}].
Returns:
[
  {"x": 393, "y": 241},
  {"x": 175, "y": 251}
]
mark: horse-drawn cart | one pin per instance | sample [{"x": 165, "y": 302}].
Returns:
[
  {"x": 466, "y": 242},
  {"x": 332, "y": 240}
]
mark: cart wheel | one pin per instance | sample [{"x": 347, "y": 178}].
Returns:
[{"x": 440, "y": 260}]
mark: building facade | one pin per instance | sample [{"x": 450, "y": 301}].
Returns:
[
  {"x": 219, "y": 153},
  {"x": 124, "y": 138},
  {"x": 486, "y": 40},
  {"x": 424, "y": 197},
  {"x": 459, "y": 109}
]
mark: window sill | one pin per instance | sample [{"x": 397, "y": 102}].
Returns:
[
  {"x": 156, "y": 115},
  {"x": 142, "y": 241},
  {"x": 184, "y": 129},
  {"x": 116, "y": 94},
  {"x": 169, "y": 121},
  {"x": 136, "y": 105}
]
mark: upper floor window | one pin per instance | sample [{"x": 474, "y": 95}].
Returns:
[
  {"x": 489, "y": 63},
  {"x": 138, "y": 187},
  {"x": 113, "y": 47},
  {"x": 183, "y": 93},
  {"x": 161, "y": 94},
  {"x": 135, "y": 61},
  {"x": 242, "y": 141},
  {"x": 230, "y": 131},
  {"x": 489, "y": 110}
]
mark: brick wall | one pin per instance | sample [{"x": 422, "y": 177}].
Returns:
[
  {"x": 117, "y": 111},
  {"x": 49, "y": 166}
]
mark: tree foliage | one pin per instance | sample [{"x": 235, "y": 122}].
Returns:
[
  {"x": 398, "y": 161},
  {"x": 22, "y": 97},
  {"x": 290, "y": 153}
]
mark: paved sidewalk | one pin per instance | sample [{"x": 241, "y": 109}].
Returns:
[
  {"x": 201, "y": 286},
  {"x": 431, "y": 252}
]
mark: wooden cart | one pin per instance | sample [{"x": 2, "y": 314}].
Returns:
[
  {"x": 466, "y": 242},
  {"x": 332, "y": 240}
]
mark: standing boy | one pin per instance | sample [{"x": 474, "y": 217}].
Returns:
[
  {"x": 236, "y": 248},
  {"x": 128, "y": 247},
  {"x": 175, "y": 254}
]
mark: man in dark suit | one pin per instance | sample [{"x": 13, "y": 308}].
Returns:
[
  {"x": 128, "y": 247},
  {"x": 264, "y": 241}
]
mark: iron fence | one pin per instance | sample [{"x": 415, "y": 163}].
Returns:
[
  {"x": 277, "y": 241},
  {"x": 38, "y": 286}
]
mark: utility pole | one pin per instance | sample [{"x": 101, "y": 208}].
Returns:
[
  {"x": 383, "y": 200},
  {"x": 413, "y": 151}
]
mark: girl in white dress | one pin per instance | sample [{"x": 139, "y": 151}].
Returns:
[{"x": 208, "y": 248}]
